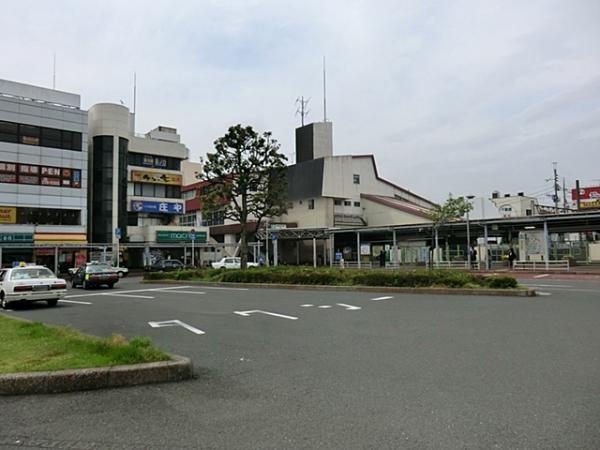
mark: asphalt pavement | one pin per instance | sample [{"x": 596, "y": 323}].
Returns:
[{"x": 313, "y": 369}]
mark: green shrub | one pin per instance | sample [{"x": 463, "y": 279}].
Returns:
[{"x": 501, "y": 282}]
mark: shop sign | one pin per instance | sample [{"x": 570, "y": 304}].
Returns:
[
  {"x": 8, "y": 214},
  {"x": 589, "y": 204},
  {"x": 365, "y": 249},
  {"x": 588, "y": 193},
  {"x": 140, "y": 176},
  {"x": 16, "y": 237},
  {"x": 156, "y": 207},
  {"x": 179, "y": 236}
]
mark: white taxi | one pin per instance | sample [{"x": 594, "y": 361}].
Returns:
[{"x": 30, "y": 284}]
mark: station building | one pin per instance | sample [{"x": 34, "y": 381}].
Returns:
[{"x": 43, "y": 175}]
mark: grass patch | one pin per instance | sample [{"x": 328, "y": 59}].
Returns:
[
  {"x": 337, "y": 277},
  {"x": 34, "y": 346}
]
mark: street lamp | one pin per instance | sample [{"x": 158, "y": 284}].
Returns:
[{"x": 469, "y": 197}]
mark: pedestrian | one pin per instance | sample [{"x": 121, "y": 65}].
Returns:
[
  {"x": 473, "y": 257},
  {"x": 512, "y": 256},
  {"x": 382, "y": 259}
]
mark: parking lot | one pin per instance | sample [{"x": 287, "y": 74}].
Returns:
[{"x": 321, "y": 369}]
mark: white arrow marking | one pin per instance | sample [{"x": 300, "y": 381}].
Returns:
[
  {"x": 190, "y": 292},
  {"x": 349, "y": 307},
  {"x": 173, "y": 323},
  {"x": 324, "y": 306},
  {"x": 544, "y": 293},
  {"x": 543, "y": 275},
  {"x": 381, "y": 298},
  {"x": 247, "y": 314},
  {"x": 73, "y": 301},
  {"x": 307, "y": 305},
  {"x": 127, "y": 295}
]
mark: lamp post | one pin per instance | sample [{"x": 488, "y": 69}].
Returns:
[{"x": 469, "y": 197}]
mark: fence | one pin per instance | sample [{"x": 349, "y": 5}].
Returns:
[{"x": 542, "y": 265}]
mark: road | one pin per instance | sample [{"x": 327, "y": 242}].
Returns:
[{"x": 332, "y": 370}]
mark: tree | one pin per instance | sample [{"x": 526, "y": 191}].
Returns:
[
  {"x": 247, "y": 180},
  {"x": 452, "y": 209}
]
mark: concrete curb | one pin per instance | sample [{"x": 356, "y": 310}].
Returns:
[
  {"x": 178, "y": 369},
  {"x": 400, "y": 290}
]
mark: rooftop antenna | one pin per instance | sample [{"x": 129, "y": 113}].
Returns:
[
  {"x": 302, "y": 109},
  {"x": 54, "y": 73},
  {"x": 324, "y": 92},
  {"x": 134, "y": 97}
]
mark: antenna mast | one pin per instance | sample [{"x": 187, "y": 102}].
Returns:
[
  {"x": 54, "y": 72},
  {"x": 302, "y": 109},
  {"x": 324, "y": 92},
  {"x": 134, "y": 97}
]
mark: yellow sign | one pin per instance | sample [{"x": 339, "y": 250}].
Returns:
[
  {"x": 140, "y": 176},
  {"x": 589, "y": 204},
  {"x": 8, "y": 214}
]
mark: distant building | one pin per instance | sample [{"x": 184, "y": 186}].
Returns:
[{"x": 43, "y": 174}]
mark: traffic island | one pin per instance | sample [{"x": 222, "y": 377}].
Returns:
[{"x": 40, "y": 359}]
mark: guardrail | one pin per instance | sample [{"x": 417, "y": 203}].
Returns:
[
  {"x": 542, "y": 265},
  {"x": 354, "y": 265},
  {"x": 461, "y": 265}
]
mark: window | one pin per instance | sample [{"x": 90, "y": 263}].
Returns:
[
  {"x": 188, "y": 195},
  {"x": 347, "y": 203},
  {"x": 311, "y": 204},
  {"x": 173, "y": 192},
  {"x": 159, "y": 190},
  {"x": 30, "y": 134},
  {"x": 357, "y": 204},
  {"x": 8, "y": 132},
  {"x": 48, "y": 216},
  {"x": 132, "y": 219},
  {"x": 157, "y": 162},
  {"x": 147, "y": 190},
  {"x": 356, "y": 178},
  {"x": 137, "y": 189},
  {"x": 188, "y": 220},
  {"x": 337, "y": 202},
  {"x": 51, "y": 138}
]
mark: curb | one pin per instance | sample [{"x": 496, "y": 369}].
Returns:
[
  {"x": 400, "y": 290},
  {"x": 178, "y": 369}
]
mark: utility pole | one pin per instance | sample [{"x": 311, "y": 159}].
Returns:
[
  {"x": 564, "y": 189},
  {"x": 578, "y": 194},
  {"x": 556, "y": 187}
]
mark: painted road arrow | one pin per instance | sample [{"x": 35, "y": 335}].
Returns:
[
  {"x": 247, "y": 314},
  {"x": 175, "y": 323},
  {"x": 349, "y": 307}
]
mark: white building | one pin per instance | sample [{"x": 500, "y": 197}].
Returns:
[
  {"x": 344, "y": 191},
  {"x": 136, "y": 180},
  {"x": 43, "y": 172}
]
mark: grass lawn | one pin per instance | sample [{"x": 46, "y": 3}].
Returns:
[{"x": 29, "y": 347}]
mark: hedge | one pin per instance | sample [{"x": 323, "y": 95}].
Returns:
[{"x": 336, "y": 277}]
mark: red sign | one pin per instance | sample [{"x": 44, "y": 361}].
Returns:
[
  {"x": 8, "y": 178},
  {"x": 51, "y": 171},
  {"x": 588, "y": 193},
  {"x": 27, "y": 179},
  {"x": 50, "y": 181},
  {"x": 7, "y": 167}
]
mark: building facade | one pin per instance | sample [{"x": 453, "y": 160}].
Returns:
[{"x": 43, "y": 174}]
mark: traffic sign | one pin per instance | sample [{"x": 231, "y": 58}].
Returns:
[
  {"x": 273, "y": 237},
  {"x": 193, "y": 235},
  {"x": 118, "y": 233}
]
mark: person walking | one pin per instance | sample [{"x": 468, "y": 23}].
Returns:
[{"x": 512, "y": 256}]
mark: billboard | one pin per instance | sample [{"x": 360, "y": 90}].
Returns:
[
  {"x": 156, "y": 207},
  {"x": 140, "y": 176},
  {"x": 588, "y": 193},
  {"x": 8, "y": 214}
]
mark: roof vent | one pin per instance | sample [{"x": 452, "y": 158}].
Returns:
[
  {"x": 521, "y": 194},
  {"x": 506, "y": 195},
  {"x": 495, "y": 194}
]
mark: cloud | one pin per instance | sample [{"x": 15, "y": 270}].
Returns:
[{"x": 450, "y": 96}]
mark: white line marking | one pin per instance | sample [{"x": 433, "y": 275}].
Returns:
[
  {"x": 349, "y": 307},
  {"x": 247, "y": 314},
  {"x": 132, "y": 291},
  {"x": 127, "y": 295},
  {"x": 324, "y": 306},
  {"x": 307, "y": 305},
  {"x": 189, "y": 292},
  {"x": 173, "y": 323},
  {"x": 548, "y": 285},
  {"x": 73, "y": 301},
  {"x": 543, "y": 275},
  {"x": 544, "y": 293},
  {"x": 381, "y": 298},
  {"x": 222, "y": 288}
]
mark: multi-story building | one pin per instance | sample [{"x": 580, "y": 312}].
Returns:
[
  {"x": 43, "y": 175},
  {"x": 136, "y": 184}
]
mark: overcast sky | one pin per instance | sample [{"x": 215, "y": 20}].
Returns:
[{"x": 450, "y": 96}]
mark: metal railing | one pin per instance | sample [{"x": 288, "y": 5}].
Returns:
[
  {"x": 461, "y": 265},
  {"x": 542, "y": 265}
]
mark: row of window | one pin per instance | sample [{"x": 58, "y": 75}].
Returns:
[
  {"x": 48, "y": 216},
  {"x": 188, "y": 220},
  {"x": 156, "y": 162},
  {"x": 19, "y": 133},
  {"x": 15, "y": 173},
  {"x": 338, "y": 202},
  {"x": 153, "y": 190}
]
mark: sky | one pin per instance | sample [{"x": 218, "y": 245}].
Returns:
[{"x": 461, "y": 97}]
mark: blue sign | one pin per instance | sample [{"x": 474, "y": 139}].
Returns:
[
  {"x": 338, "y": 256},
  {"x": 193, "y": 235},
  {"x": 156, "y": 207},
  {"x": 118, "y": 233},
  {"x": 273, "y": 237}
]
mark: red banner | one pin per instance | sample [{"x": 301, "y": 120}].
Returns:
[{"x": 588, "y": 193}]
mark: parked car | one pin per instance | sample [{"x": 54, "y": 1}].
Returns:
[
  {"x": 166, "y": 265},
  {"x": 94, "y": 275},
  {"x": 231, "y": 263},
  {"x": 30, "y": 284},
  {"x": 121, "y": 271}
]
